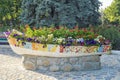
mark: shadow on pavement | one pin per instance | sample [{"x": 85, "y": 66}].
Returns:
[{"x": 6, "y": 50}]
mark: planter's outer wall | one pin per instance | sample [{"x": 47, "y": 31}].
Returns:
[{"x": 58, "y": 48}]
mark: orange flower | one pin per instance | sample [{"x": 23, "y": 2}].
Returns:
[
  {"x": 84, "y": 29},
  {"x": 96, "y": 35},
  {"x": 34, "y": 28},
  {"x": 90, "y": 36},
  {"x": 76, "y": 27},
  {"x": 71, "y": 30},
  {"x": 52, "y": 30},
  {"x": 27, "y": 26}
]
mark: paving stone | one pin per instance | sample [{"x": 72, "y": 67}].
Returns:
[
  {"x": 11, "y": 69},
  {"x": 91, "y": 65}
]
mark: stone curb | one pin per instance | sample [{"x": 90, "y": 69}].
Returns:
[{"x": 115, "y": 52}]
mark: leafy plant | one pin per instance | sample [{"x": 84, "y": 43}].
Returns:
[
  {"x": 61, "y": 36},
  {"x": 113, "y": 34},
  {"x": 29, "y": 32},
  {"x": 9, "y": 12},
  {"x": 112, "y": 13}
]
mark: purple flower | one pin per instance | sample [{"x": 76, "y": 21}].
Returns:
[
  {"x": 68, "y": 44},
  {"x": 91, "y": 42},
  {"x": 15, "y": 35},
  {"x": 29, "y": 39},
  {"x": 87, "y": 42},
  {"x": 22, "y": 38},
  {"x": 18, "y": 39},
  {"x": 23, "y": 43},
  {"x": 37, "y": 41},
  {"x": 107, "y": 42},
  {"x": 6, "y": 33},
  {"x": 70, "y": 41}
]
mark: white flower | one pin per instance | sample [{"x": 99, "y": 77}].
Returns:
[
  {"x": 100, "y": 36},
  {"x": 50, "y": 36},
  {"x": 97, "y": 39},
  {"x": 59, "y": 40},
  {"x": 81, "y": 39},
  {"x": 15, "y": 31}
]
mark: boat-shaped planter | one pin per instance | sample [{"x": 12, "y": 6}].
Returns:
[
  {"x": 58, "y": 50},
  {"x": 57, "y": 57}
]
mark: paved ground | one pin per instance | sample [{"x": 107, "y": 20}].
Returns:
[{"x": 11, "y": 69}]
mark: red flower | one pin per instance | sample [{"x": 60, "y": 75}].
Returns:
[
  {"x": 61, "y": 49},
  {"x": 71, "y": 30},
  {"x": 84, "y": 29},
  {"x": 57, "y": 27},
  {"x": 76, "y": 27}
]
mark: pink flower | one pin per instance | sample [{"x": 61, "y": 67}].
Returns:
[{"x": 107, "y": 42}]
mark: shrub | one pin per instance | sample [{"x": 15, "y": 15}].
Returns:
[
  {"x": 60, "y": 12},
  {"x": 113, "y": 34}
]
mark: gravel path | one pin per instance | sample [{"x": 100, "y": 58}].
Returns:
[{"x": 11, "y": 69}]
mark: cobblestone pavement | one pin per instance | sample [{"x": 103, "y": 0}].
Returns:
[{"x": 11, "y": 69}]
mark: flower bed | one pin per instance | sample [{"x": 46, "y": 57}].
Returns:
[
  {"x": 59, "y": 48},
  {"x": 61, "y": 40}
]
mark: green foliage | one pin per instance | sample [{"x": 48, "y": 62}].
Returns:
[
  {"x": 5, "y": 28},
  {"x": 112, "y": 13},
  {"x": 60, "y": 12},
  {"x": 9, "y": 11},
  {"x": 113, "y": 34},
  {"x": 62, "y": 36},
  {"x": 29, "y": 32}
]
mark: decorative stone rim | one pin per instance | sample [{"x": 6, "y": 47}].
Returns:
[
  {"x": 51, "y": 48},
  {"x": 115, "y": 51},
  {"x": 24, "y": 51}
]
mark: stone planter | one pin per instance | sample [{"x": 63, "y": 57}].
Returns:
[
  {"x": 48, "y": 61},
  {"x": 56, "y": 57}
]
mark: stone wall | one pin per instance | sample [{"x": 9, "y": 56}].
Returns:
[{"x": 87, "y": 62}]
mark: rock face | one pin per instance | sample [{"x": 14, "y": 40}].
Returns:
[
  {"x": 29, "y": 62},
  {"x": 67, "y": 67},
  {"x": 29, "y": 65},
  {"x": 87, "y": 62},
  {"x": 54, "y": 68}
]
